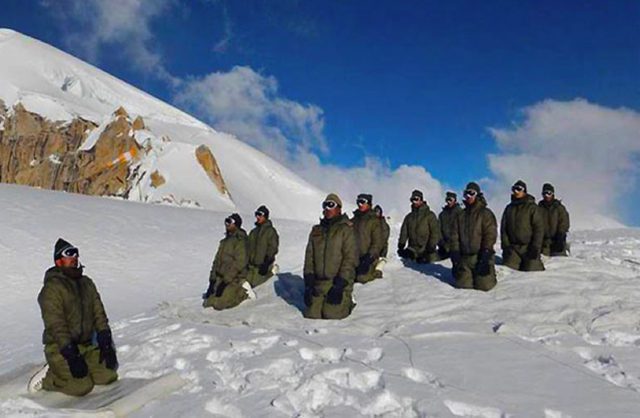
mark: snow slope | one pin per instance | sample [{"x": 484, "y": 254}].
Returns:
[
  {"x": 58, "y": 86},
  {"x": 559, "y": 343}
]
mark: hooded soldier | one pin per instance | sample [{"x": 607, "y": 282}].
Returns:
[
  {"x": 420, "y": 228},
  {"x": 556, "y": 223},
  {"x": 473, "y": 237},
  {"x": 263, "y": 247},
  {"x": 447, "y": 219},
  {"x": 73, "y": 316},
  {"x": 227, "y": 280},
  {"x": 522, "y": 231},
  {"x": 368, "y": 232},
  {"x": 330, "y": 262}
]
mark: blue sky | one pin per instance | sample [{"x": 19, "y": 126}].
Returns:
[{"x": 410, "y": 82}]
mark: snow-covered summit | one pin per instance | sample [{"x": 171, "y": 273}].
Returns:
[{"x": 60, "y": 87}]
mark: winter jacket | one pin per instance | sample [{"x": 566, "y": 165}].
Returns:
[
  {"x": 368, "y": 232},
  {"x": 331, "y": 250},
  {"x": 420, "y": 227},
  {"x": 475, "y": 229},
  {"x": 263, "y": 244},
  {"x": 555, "y": 218},
  {"x": 230, "y": 263},
  {"x": 522, "y": 224},
  {"x": 447, "y": 219},
  {"x": 71, "y": 307}
]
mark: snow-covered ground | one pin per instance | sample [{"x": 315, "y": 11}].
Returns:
[{"x": 560, "y": 343}]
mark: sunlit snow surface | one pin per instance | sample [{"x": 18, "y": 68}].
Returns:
[{"x": 560, "y": 343}]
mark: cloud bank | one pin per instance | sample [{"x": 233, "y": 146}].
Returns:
[{"x": 589, "y": 152}]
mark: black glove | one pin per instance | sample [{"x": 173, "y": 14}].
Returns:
[
  {"x": 506, "y": 252},
  {"x": 209, "y": 291},
  {"x": 406, "y": 253},
  {"x": 533, "y": 253},
  {"x": 559, "y": 243},
  {"x": 308, "y": 295},
  {"x": 401, "y": 251},
  {"x": 334, "y": 296},
  {"x": 220, "y": 288},
  {"x": 309, "y": 280},
  {"x": 263, "y": 269},
  {"x": 483, "y": 267},
  {"x": 455, "y": 257},
  {"x": 77, "y": 365},
  {"x": 429, "y": 250},
  {"x": 365, "y": 263},
  {"x": 107, "y": 350},
  {"x": 442, "y": 252}
]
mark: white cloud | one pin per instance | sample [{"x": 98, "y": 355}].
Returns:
[
  {"x": 589, "y": 152},
  {"x": 391, "y": 188},
  {"x": 247, "y": 104},
  {"x": 89, "y": 25}
]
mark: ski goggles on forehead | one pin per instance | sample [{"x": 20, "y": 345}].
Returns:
[
  {"x": 229, "y": 221},
  {"x": 415, "y": 199},
  {"x": 329, "y": 204},
  {"x": 449, "y": 199},
  {"x": 470, "y": 192},
  {"x": 517, "y": 189},
  {"x": 259, "y": 213},
  {"x": 547, "y": 193},
  {"x": 70, "y": 252},
  {"x": 362, "y": 201}
]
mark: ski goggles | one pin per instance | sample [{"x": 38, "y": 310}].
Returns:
[
  {"x": 362, "y": 202},
  {"x": 70, "y": 252},
  {"x": 259, "y": 213},
  {"x": 470, "y": 193},
  {"x": 329, "y": 204},
  {"x": 229, "y": 221},
  {"x": 449, "y": 200},
  {"x": 415, "y": 199},
  {"x": 547, "y": 193},
  {"x": 517, "y": 189}
]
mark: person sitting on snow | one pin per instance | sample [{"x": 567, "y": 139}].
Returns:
[{"x": 78, "y": 345}]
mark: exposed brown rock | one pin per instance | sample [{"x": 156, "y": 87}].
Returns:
[
  {"x": 157, "y": 179},
  {"x": 138, "y": 124},
  {"x": 37, "y": 152},
  {"x": 121, "y": 112},
  {"x": 208, "y": 162}
]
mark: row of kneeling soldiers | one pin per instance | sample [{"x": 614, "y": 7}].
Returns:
[
  {"x": 79, "y": 347},
  {"x": 341, "y": 251}
]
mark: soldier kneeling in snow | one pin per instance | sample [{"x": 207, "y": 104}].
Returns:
[
  {"x": 263, "y": 247},
  {"x": 330, "y": 264},
  {"x": 73, "y": 316},
  {"x": 228, "y": 285}
]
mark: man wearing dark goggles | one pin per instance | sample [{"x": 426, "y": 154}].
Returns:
[
  {"x": 447, "y": 217},
  {"x": 421, "y": 229},
  {"x": 368, "y": 231},
  {"x": 522, "y": 231},
  {"x": 74, "y": 317},
  {"x": 227, "y": 280},
  {"x": 330, "y": 261},
  {"x": 556, "y": 223},
  {"x": 263, "y": 247},
  {"x": 472, "y": 240}
]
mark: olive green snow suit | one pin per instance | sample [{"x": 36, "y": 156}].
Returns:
[
  {"x": 556, "y": 227},
  {"x": 72, "y": 313},
  {"x": 330, "y": 264},
  {"x": 447, "y": 219},
  {"x": 386, "y": 231},
  {"x": 420, "y": 227},
  {"x": 263, "y": 247},
  {"x": 368, "y": 230},
  {"x": 522, "y": 232},
  {"x": 229, "y": 271},
  {"x": 474, "y": 232}
]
